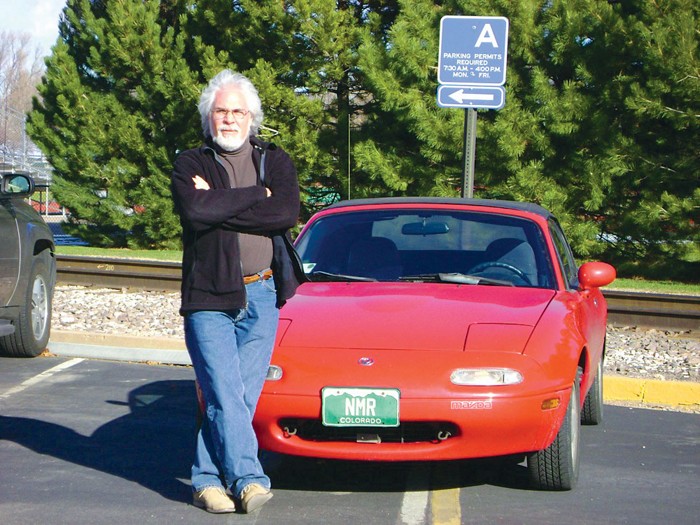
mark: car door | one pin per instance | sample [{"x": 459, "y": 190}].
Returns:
[
  {"x": 591, "y": 315},
  {"x": 9, "y": 250}
]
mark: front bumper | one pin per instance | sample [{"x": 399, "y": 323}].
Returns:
[{"x": 471, "y": 425}]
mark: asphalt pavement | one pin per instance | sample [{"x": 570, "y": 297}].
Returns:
[{"x": 103, "y": 442}]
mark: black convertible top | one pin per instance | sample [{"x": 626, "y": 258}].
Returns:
[{"x": 494, "y": 203}]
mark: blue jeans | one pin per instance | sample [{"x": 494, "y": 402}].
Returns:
[{"x": 231, "y": 353}]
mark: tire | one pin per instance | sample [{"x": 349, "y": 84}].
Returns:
[
  {"x": 557, "y": 466},
  {"x": 592, "y": 411},
  {"x": 33, "y": 325}
]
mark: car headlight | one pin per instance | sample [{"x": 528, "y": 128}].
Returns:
[
  {"x": 274, "y": 373},
  {"x": 486, "y": 376}
]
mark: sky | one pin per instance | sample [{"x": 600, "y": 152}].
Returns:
[{"x": 39, "y": 18}]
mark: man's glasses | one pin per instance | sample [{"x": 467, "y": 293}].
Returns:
[{"x": 238, "y": 114}]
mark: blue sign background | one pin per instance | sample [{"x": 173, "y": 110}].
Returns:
[{"x": 473, "y": 50}]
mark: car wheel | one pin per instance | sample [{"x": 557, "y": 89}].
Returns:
[
  {"x": 592, "y": 411},
  {"x": 34, "y": 322},
  {"x": 557, "y": 466}
]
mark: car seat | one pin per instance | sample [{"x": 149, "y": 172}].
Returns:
[{"x": 376, "y": 257}]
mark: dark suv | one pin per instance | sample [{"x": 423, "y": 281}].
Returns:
[{"x": 27, "y": 270}]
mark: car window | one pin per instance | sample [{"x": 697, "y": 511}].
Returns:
[
  {"x": 565, "y": 256},
  {"x": 395, "y": 244}
]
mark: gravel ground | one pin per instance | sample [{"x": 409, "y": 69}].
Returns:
[{"x": 631, "y": 351}]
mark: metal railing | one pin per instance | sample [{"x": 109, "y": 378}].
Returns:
[{"x": 17, "y": 151}]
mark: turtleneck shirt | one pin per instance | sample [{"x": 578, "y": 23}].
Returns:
[{"x": 256, "y": 250}]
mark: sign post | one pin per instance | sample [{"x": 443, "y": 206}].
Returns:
[
  {"x": 469, "y": 153},
  {"x": 471, "y": 73}
]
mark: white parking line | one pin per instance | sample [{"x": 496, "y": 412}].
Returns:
[
  {"x": 415, "y": 500},
  {"x": 40, "y": 377}
]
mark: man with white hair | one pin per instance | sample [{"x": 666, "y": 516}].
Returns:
[{"x": 237, "y": 197}]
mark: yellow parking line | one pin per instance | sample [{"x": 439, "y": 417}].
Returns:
[
  {"x": 445, "y": 507},
  {"x": 444, "y": 496}
]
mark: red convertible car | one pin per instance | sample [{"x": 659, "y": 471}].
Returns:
[{"x": 438, "y": 329}]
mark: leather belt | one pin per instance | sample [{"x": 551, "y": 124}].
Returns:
[{"x": 261, "y": 276}]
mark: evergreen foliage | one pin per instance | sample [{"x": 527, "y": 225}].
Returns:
[
  {"x": 302, "y": 57},
  {"x": 600, "y": 123},
  {"x": 116, "y": 104}
]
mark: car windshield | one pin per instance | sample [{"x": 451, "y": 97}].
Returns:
[{"x": 426, "y": 246}]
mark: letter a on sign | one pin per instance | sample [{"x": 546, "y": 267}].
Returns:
[{"x": 486, "y": 36}]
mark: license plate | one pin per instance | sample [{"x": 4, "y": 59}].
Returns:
[{"x": 360, "y": 407}]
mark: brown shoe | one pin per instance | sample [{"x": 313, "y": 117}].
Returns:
[
  {"x": 254, "y": 496},
  {"x": 214, "y": 500}
]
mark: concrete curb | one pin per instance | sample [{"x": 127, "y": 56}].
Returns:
[
  {"x": 651, "y": 392},
  {"x": 119, "y": 347}
]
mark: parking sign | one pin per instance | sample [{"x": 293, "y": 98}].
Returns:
[{"x": 473, "y": 50}]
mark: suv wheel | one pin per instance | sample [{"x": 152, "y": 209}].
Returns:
[{"x": 33, "y": 325}]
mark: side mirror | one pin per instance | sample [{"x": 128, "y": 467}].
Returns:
[
  {"x": 17, "y": 184},
  {"x": 595, "y": 275}
]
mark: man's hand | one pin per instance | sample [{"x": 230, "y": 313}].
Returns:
[{"x": 200, "y": 183}]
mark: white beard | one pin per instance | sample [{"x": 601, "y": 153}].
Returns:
[{"x": 229, "y": 144}]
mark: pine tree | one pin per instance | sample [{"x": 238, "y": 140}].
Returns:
[
  {"x": 600, "y": 123},
  {"x": 651, "y": 209},
  {"x": 402, "y": 149},
  {"x": 302, "y": 57},
  {"x": 118, "y": 99},
  {"x": 416, "y": 148}
]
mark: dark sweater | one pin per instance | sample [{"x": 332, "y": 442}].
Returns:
[
  {"x": 212, "y": 278},
  {"x": 256, "y": 250}
]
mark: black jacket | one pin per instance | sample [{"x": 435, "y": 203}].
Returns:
[{"x": 211, "y": 219}]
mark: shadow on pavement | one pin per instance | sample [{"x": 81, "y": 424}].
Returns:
[
  {"x": 320, "y": 475},
  {"x": 152, "y": 445}
]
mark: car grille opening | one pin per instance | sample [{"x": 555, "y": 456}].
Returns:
[{"x": 407, "y": 432}]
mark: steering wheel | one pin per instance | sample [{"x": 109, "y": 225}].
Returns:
[{"x": 497, "y": 264}]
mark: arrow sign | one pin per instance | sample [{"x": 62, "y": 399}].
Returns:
[
  {"x": 469, "y": 96},
  {"x": 460, "y": 96}
]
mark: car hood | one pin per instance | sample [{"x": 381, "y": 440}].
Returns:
[{"x": 411, "y": 316}]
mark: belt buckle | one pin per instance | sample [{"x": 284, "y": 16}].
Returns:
[{"x": 256, "y": 277}]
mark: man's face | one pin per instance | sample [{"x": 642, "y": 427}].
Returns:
[{"x": 230, "y": 119}]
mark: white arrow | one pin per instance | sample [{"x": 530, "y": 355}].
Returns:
[{"x": 460, "y": 96}]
